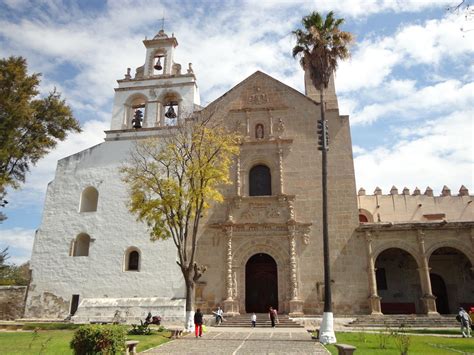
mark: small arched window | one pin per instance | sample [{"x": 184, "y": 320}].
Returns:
[
  {"x": 81, "y": 245},
  {"x": 89, "y": 199},
  {"x": 132, "y": 260},
  {"x": 260, "y": 181},
  {"x": 363, "y": 218}
]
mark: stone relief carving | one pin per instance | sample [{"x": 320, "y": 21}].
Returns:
[
  {"x": 234, "y": 286},
  {"x": 280, "y": 128},
  {"x": 258, "y": 97},
  {"x": 273, "y": 212}
]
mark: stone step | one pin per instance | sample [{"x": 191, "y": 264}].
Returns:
[
  {"x": 394, "y": 321},
  {"x": 243, "y": 321}
]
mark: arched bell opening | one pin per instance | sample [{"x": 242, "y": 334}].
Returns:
[
  {"x": 136, "y": 111},
  {"x": 171, "y": 110}
]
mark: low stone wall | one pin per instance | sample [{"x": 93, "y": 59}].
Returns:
[
  {"x": 12, "y": 302},
  {"x": 130, "y": 310}
]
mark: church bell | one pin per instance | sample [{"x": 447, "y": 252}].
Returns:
[
  {"x": 170, "y": 113},
  {"x": 137, "y": 119},
  {"x": 158, "y": 65}
]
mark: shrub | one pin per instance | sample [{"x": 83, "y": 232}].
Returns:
[
  {"x": 93, "y": 339},
  {"x": 140, "y": 329}
]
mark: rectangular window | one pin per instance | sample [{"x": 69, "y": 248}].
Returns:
[
  {"x": 381, "y": 279},
  {"x": 74, "y": 304}
]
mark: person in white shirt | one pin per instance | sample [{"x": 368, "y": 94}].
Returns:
[
  {"x": 253, "y": 318},
  {"x": 219, "y": 313}
]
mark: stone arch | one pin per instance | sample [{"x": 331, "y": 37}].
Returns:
[
  {"x": 365, "y": 216},
  {"x": 450, "y": 262},
  {"x": 451, "y": 243},
  {"x": 377, "y": 250},
  {"x": 81, "y": 245},
  {"x": 89, "y": 199},
  {"x": 132, "y": 259},
  {"x": 398, "y": 279},
  {"x": 277, "y": 251},
  {"x": 134, "y": 102}
]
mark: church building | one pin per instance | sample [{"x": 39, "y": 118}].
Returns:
[{"x": 397, "y": 253}]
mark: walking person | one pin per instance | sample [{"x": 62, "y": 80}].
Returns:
[
  {"x": 219, "y": 315},
  {"x": 198, "y": 322},
  {"x": 272, "y": 313},
  {"x": 253, "y": 318},
  {"x": 466, "y": 322}
]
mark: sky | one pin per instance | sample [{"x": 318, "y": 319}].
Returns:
[{"x": 408, "y": 86}]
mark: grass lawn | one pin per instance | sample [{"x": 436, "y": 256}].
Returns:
[
  {"x": 369, "y": 343},
  {"x": 57, "y": 342}
]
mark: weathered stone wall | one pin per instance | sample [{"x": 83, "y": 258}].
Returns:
[
  {"x": 57, "y": 275},
  {"x": 264, "y": 224},
  {"x": 12, "y": 302},
  {"x": 397, "y": 207}
]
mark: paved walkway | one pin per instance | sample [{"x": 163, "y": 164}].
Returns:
[{"x": 244, "y": 341}]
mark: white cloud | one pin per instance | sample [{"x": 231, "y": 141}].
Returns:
[
  {"x": 435, "y": 154},
  {"x": 375, "y": 59},
  {"x": 352, "y": 8},
  {"x": 370, "y": 65},
  {"x": 429, "y": 42},
  {"x": 442, "y": 97},
  {"x": 19, "y": 242}
]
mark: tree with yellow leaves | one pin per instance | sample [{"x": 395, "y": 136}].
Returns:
[{"x": 173, "y": 180}]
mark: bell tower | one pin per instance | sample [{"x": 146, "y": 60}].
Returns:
[{"x": 159, "y": 94}]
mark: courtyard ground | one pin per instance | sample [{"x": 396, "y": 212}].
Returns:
[{"x": 244, "y": 341}]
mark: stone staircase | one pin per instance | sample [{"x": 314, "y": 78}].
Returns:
[
  {"x": 243, "y": 321},
  {"x": 406, "y": 321}
]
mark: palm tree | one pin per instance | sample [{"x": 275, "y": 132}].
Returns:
[{"x": 320, "y": 45}]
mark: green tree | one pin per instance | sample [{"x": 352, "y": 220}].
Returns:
[
  {"x": 11, "y": 274},
  {"x": 173, "y": 180},
  {"x": 320, "y": 45},
  {"x": 29, "y": 126}
]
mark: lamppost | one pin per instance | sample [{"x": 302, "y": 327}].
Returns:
[{"x": 326, "y": 331}]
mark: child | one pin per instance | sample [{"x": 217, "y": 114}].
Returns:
[
  {"x": 198, "y": 322},
  {"x": 254, "y": 320}
]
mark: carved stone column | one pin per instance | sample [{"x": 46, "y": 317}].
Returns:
[
  {"x": 429, "y": 300},
  {"x": 374, "y": 298},
  {"x": 247, "y": 123},
  {"x": 230, "y": 304},
  {"x": 280, "y": 167},
  {"x": 238, "y": 183},
  {"x": 296, "y": 305},
  {"x": 229, "y": 264}
]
